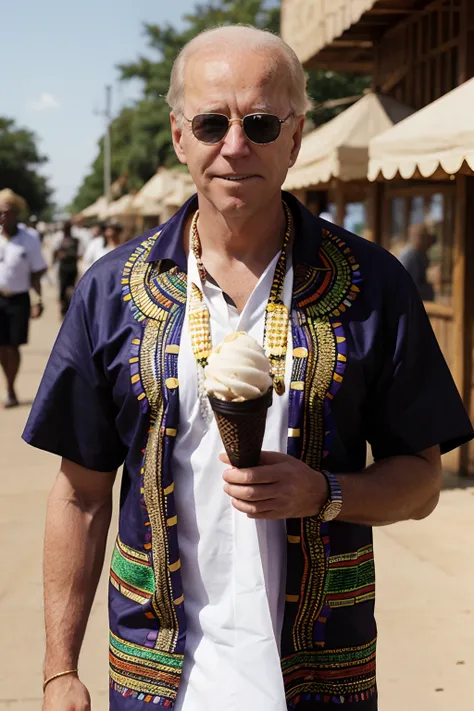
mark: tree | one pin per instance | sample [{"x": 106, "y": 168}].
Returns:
[
  {"x": 19, "y": 160},
  {"x": 146, "y": 142}
]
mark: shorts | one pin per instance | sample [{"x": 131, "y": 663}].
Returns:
[{"x": 14, "y": 319}]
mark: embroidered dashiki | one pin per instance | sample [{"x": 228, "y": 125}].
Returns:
[{"x": 365, "y": 367}]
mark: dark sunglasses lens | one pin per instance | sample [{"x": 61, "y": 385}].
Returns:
[
  {"x": 262, "y": 128},
  {"x": 210, "y": 128}
]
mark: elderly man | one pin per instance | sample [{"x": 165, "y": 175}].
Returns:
[
  {"x": 21, "y": 268},
  {"x": 235, "y": 589}
]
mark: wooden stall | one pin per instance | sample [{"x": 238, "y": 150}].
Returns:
[
  {"x": 416, "y": 52},
  {"x": 330, "y": 174}
]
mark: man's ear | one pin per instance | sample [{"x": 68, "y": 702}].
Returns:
[
  {"x": 297, "y": 138},
  {"x": 177, "y": 135}
]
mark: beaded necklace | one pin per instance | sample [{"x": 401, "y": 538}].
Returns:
[{"x": 275, "y": 338}]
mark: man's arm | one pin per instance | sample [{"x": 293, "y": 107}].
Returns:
[
  {"x": 77, "y": 521},
  {"x": 37, "y": 309},
  {"x": 394, "y": 489}
]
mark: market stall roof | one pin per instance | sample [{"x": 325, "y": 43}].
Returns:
[
  {"x": 122, "y": 207},
  {"x": 97, "y": 209},
  {"x": 150, "y": 200},
  {"x": 437, "y": 140},
  {"x": 341, "y": 35},
  {"x": 340, "y": 148}
]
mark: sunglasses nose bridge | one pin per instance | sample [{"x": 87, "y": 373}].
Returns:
[{"x": 233, "y": 139}]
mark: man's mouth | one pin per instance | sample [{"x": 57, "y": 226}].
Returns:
[{"x": 237, "y": 178}]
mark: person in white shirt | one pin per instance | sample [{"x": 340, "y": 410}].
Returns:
[
  {"x": 102, "y": 244},
  {"x": 21, "y": 268}
]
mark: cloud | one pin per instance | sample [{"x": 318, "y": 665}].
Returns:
[{"x": 45, "y": 102}]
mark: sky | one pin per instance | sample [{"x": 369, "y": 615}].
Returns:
[{"x": 57, "y": 57}]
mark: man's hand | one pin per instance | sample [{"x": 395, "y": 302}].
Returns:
[
  {"x": 36, "y": 311},
  {"x": 280, "y": 487},
  {"x": 66, "y": 693}
]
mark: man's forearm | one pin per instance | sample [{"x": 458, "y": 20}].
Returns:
[
  {"x": 36, "y": 282},
  {"x": 391, "y": 490},
  {"x": 76, "y": 534}
]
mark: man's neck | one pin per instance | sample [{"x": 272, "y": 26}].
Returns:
[
  {"x": 252, "y": 240},
  {"x": 10, "y": 234}
]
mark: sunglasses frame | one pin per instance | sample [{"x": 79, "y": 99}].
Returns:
[{"x": 230, "y": 121}]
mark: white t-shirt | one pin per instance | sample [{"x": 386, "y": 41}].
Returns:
[
  {"x": 20, "y": 256},
  {"x": 233, "y": 567},
  {"x": 94, "y": 251}
]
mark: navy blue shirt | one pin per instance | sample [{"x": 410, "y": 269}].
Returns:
[{"x": 366, "y": 368}]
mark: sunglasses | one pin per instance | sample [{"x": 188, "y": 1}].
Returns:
[{"x": 259, "y": 128}]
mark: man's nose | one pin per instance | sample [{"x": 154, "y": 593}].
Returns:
[{"x": 236, "y": 143}]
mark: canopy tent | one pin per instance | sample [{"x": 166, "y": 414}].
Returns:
[
  {"x": 310, "y": 26},
  {"x": 151, "y": 199},
  {"x": 436, "y": 141},
  {"x": 340, "y": 148},
  {"x": 97, "y": 209},
  {"x": 122, "y": 207}
]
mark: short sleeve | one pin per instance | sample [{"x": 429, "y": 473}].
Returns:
[
  {"x": 73, "y": 414},
  {"x": 413, "y": 402},
  {"x": 35, "y": 256}
]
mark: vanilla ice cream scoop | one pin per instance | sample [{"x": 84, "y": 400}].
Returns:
[{"x": 238, "y": 369}]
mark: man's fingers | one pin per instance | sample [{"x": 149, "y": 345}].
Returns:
[
  {"x": 259, "y": 475},
  {"x": 244, "y": 492},
  {"x": 253, "y": 509}
]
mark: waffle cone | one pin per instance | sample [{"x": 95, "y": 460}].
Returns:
[{"x": 242, "y": 427}]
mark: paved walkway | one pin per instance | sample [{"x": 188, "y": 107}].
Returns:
[{"x": 425, "y": 577}]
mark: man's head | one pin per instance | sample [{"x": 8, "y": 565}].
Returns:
[
  {"x": 236, "y": 71},
  {"x": 11, "y": 205},
  {"x": 98, "y": 229},
  {"x": 421, "y": 237},
  {"x": 113, "y": 232}
]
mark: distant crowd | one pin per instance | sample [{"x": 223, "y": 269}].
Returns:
[{"x": 30, "y": 252}]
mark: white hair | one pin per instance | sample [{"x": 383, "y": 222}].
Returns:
[{"x": 240, "y": 37}]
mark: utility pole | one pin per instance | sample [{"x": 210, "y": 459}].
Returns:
[
  {"x": 107, "y": 114},
  {"x": 107, "y": 157}
]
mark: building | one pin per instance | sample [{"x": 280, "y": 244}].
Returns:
[{"x": 416, "y": 52}]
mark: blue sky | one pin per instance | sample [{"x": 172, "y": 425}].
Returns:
[{"x": 57, "y": 56}]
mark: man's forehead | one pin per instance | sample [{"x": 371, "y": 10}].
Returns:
[{"x": 212, "y": 80}]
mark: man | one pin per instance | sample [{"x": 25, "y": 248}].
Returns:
[
  {"x": 21, "y": 268},
  {"x": 414, "y": 258},
  {"x": 234, "y": 589},
  {"x": 66, "y": 255},
  {"x": 102, "y": 244}
]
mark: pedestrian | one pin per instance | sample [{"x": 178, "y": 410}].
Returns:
[
  {"x": 414, "y": 258},
  {"x": 236, "y": 588},
  {"x": 21, "y": 268},
  {"x": 102, "y": 244},
  {"x": 66, "y": 256}
]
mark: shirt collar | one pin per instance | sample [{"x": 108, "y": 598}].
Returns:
[{"x": 308, "y": 235}]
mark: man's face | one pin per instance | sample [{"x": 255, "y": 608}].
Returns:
[
  {"x": 8, "y": 217},
  {"x": 237, "y": 83}
]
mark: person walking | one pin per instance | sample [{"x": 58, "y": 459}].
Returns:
[
  {"x": 233, "y": 588},
  {"x": 66, "y": 256},
  {"x": 102, "y": 244},
  {"x": 21, "y": 268}
]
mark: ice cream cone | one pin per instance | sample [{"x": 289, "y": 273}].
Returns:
[{"x": 242, "y": 427}]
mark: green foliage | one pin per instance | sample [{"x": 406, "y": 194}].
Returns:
[
  {"x": 19, "y": 160},
  {"x": 141, "y": 136}
]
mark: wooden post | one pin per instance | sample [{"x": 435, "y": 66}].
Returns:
[
  {"x": 374, "y": 212},
  {"x": 461, "y": 301},
  {"x": 340, "y": 203}
]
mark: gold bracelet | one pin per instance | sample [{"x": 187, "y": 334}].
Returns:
[{"x": 56, "y": 676}]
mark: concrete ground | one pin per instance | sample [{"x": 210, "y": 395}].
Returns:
[{"x": 425, "y": 578}]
